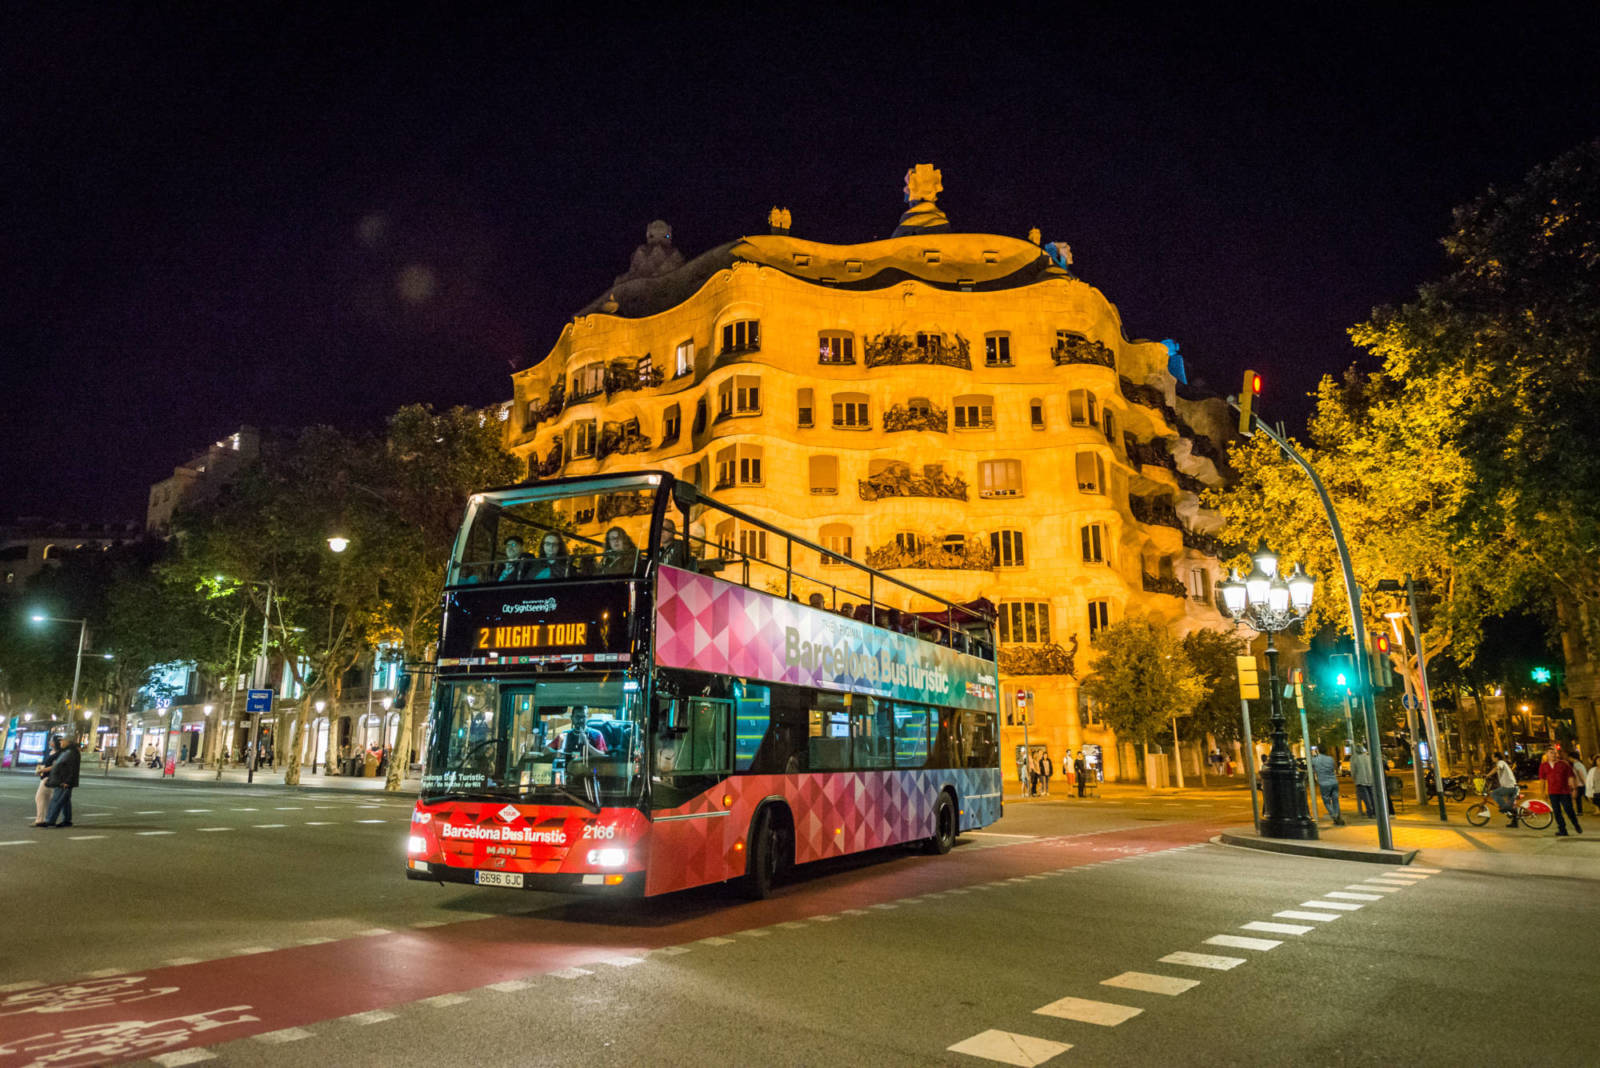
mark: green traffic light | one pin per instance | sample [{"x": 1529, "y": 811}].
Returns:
[
  {"x": 1541, "y": 674},
  {"x": 1339, "y": 680}
]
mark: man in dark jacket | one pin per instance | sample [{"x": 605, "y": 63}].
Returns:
[{"x": 64, "y": 778}]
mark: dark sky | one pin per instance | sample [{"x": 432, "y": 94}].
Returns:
[{"x": 205, "y": 218}]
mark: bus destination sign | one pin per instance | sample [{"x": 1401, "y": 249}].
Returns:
[{"x": 567, "y": 624}]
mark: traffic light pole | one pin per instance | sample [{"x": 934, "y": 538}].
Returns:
[
  {"x": 1427, "y": 699},
  {"x": 1358, "y": 630}
]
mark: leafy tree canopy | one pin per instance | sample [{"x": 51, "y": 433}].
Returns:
[{"x": 1141, "y": 678}]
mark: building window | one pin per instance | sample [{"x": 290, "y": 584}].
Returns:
[
  {"x": 1099, "y": 617},
  {"x": 837, "y": 539},
  {"x": 974, "y": 412},
  {"x": 1094, "y": 536},
  {"x": 583, "y": 439},
  {"x": 836, "y": 347},
  {"x": 1000, "y": 478},
  {"x": 700, "y": 415},
  {"x": 589, "y": 380},
  {"x": 909, "y": 541},
  {"x": 1084, "y": 408},
  {"x": 1108, "y": 425},
  {"x": 824, "y": 475},
  {"x": 919, "y": 408},
  {"x": 1036, "y": 413},
  {"x": 955, "y": 543},
  {"x": 752, "y": 543},
  {"x": 1091, "y": 471},
  {"x": 671, "y": 424},
  {"x": 742, "y": 335},
  {"x": 1025, "y": 621},
  {"x": 1200, "y": 584},
  {"x": 739, "y": 466},
  {"x": 725, "y": 400},
  {"x": 805, "y": 407},
  {"x": 747, "y": 394},
  {"x": 930, "y": 345},
  {"x": 997, "y": 350},
  {"x": 683, "y": 359},
  {"x": 1007, "y": 548},
  {"x": 850, "y": 411}
]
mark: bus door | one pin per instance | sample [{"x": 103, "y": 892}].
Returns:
[{"x": 692, "y": 837}]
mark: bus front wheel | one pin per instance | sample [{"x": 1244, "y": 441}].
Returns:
[
  {"x": 766, "y": 857},
  {"x": 944, "y": 825}
]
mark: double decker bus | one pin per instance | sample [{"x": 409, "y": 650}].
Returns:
[{"x": 641, "y": 690}]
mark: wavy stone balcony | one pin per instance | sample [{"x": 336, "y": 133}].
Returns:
[
  {"x": 930, "y": 418},
  {"x": 1079, "y": 349},
  {"x": 890, "y": 350}
]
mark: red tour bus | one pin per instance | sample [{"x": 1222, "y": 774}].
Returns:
[{"x": 641, "y": 690}]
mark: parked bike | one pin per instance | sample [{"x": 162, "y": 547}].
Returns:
[
  {"x": 1455, "y": 788},
  {"x": 1532, "y": 812}
]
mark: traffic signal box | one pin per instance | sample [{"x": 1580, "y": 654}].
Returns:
[
  {"x": 1247, "y": 396},
  {"x": 1382, "y": 667},
  {"x": 1298, "y": 677},
  {"x": 1249, "y": 678}
]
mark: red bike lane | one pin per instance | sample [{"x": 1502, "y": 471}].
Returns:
[{"x": 128, "y": 1017}]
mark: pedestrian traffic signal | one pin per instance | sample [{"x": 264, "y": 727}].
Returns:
[
  {"x": 1247, "y": 396},
  {"x": 1249, "y": 678},
  {"x": 1541, "y": 675}
]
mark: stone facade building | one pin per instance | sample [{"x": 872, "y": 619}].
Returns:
[{"x": 956, "y": 409}]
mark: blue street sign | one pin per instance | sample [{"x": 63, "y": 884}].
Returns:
[
  {"x": 258, "y": 701},
  {"x": 1409, "y": 702}
]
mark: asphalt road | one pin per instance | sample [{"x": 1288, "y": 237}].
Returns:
[{"x": 272, "y": 926}]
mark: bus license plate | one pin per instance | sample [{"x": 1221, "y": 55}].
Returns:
[{"x": 499, "y": 878}]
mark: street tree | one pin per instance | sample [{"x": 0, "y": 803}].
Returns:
[
  {"x": 1141, "y": 679},
  {"x": 1216, "y": 715}
]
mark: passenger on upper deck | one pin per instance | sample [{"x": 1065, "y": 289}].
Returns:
[
  {"x": 670, "y": 548},
  {"x": 619, "y": 556},
  {"x": 517, "y": 565},
  {"x": 553, "y": 561}
]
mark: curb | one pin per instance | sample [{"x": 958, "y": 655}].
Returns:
[
  {"x": 1325, "y": 850},
  {"x": 409, "y": 786}
]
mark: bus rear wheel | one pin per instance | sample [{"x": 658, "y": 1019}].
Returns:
[
  {"x": 766, "y": 858},
  {"x": 944, "y": 826}
]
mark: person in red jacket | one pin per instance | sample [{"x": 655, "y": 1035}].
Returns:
[{"x": 1558, "y": 778}]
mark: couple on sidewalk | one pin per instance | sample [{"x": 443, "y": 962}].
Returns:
[{"x": 58, "y": 777}]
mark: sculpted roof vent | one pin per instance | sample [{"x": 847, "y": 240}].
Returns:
[
  {"x": 924, "y": 183},
  {"x": 655, "y": 257}
]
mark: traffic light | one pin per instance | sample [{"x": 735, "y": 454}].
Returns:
[
  {"x": 1249, "y": 678},
  {"x": 1382, "y": 667},
  {"x": 1247, "y": 396},
  {"x": 1342, "y": 672},
  {"x": 1541, "y": 675},
  {"x": 1298, "y": 678}
]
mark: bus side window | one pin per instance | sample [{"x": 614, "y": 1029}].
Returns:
[{"x": 704, "y": 747}]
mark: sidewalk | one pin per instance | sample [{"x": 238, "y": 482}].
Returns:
[
  {"x": 1216, "y": 789},
  {"x": 265, "y": 777}
]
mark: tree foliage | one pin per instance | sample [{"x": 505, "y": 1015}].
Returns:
[
  {"x": 1210, "y": 654},
  {"x": 1141, "y": 678}
]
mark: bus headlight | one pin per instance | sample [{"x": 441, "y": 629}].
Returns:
[
  {"x": 416, "y": 844},
  {"x": 608, "y": 858}
]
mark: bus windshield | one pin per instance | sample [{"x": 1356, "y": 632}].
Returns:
[
  {"x": 554, "y": 742},
  {"x": 554, "y": 532}
]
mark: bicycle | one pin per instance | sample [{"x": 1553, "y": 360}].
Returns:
[{"x": 1532, "y": 812}]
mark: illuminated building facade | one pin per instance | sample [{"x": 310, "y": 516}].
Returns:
[{"x": 955, "y": 409}]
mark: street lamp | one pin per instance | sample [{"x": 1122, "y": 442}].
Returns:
[
  {"x": 338, "y": 543},
  {"x": 1268, "y": 603},
  {"x": 83, "y": 633}
]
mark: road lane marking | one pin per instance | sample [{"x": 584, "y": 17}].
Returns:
[
  {"x": 1338, "y": 906},
  {"x": 318, "y": 823},
  {"x": 246, "y": 810},
  {"x": 371, "y": 932},
  {"x": 318, "y": 941},
  {"x": 196, "y": 811},
  {"x": 1302, "y": 914},
  {"x": 510, "y": 986},
  {"x": 997, "y": 834},
  {"x": 1103, "y": 1013},
  {"x": 1379, "y": 887},
  {"x": 886, "y": 905},
  {"x": 823, "y": 919},
  {"x": 1275, "y": 928},
  {"x": 19, "y": 841},
  {"x": 179, "y": 962},
  {"x": 150, "y": 812},
  {"x": 288, "y": 1034},
  {"x": 183, "y": 1056},
  {"x": 212, "y": 830},
  {"x": 673, "y": 951},
  {"x": 84, "y": 837},
  {"x": 1151, "y": 984},
  {"x": 757, "y": 932},
  {"x": 855, "y": 912},
  {"x": 1006, "y": 1047},
  {"x": 444, "y": 1001},
  {"x": 575, "y": 973},
  {"x": 1348, "y": 896},
  {"x": 371, "y": 821},
  {"x": 623, "y": 962},
  {"x": 1388, "y": 880},
  {"x": 150, "y": 834},
  {"x": 268, "y": 826},
  {"x": 792, "y": 925},
  {"x": 1428, "y": 871},
  {"x": 287, "y": 808},
  {"x": 250, "y": 950},
  {"x": 26, "y": 984},
  {"x": 716, "y": 941},
  {"x": 1203, "y": 960},
  {"x": 363, "y": 1019},
  {"x": 1406, "y": 876},
  {"x": 430, "y": 923},
  {"x": 103, "y": 973}
]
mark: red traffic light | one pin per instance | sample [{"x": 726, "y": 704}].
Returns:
[
  {"x": 1382, "y": 644},
  {"x": 1255, "y": 382}
]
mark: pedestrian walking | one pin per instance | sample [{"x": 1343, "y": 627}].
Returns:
[
  {"x": 1591, "y": 782},
  {"x": 1022, "y": 770},
  {"x": 1066, "y": 769},
  {"x": 1580, "y": 783},
  {"x": 63, "y": 779},
  {"x": 1361, "y": 774},
  {"x": 1046, "y": 769},
  {"x": 41, "y": 796},
  {"x": 1557, "y": 775},
  {"x": 1326, "y": 769},
  {"x": 1080, "y": 771}
]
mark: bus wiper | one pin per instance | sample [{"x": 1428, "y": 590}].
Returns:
[{"x": 591, "y": 804}]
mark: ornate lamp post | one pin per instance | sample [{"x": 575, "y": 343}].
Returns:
[{"x": 1268, "y": 603}]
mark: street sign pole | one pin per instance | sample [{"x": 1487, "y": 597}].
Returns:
[
  {"x": 257, "y": 703},
  {"x": 1250, "y": 764}
]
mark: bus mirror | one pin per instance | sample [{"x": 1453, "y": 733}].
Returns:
[{"x": 684, "y": 493}]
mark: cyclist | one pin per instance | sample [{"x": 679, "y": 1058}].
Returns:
[{"x": 1504, "y": 794}]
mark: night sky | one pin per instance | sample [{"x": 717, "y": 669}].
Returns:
[{"x": 214, "y": 220}]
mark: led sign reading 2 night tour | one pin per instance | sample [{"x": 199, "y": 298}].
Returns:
[{"x": 532, "y": 636}]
